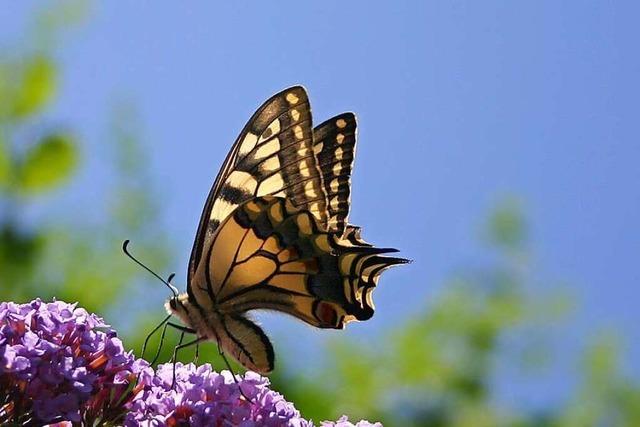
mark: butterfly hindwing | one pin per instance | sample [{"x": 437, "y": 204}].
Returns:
[
  {"x": 334, "y": 143},
  {"x": 270, "y": 254},
  {"x": 273, "y": 155}
]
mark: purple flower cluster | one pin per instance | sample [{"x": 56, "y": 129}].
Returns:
[
  {"x": 202, "y": 396},
  {"x": 59, "y": 363},
  {"x": 56, "y": 364}
]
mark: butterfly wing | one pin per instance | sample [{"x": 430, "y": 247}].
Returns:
[
  {"x": 273, "y": 155},
  {"x": 334, "y": 143},
  {"x": 270, "y": 254}
]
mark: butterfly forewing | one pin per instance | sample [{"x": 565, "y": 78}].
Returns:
[{"x": 272, "y": 156}]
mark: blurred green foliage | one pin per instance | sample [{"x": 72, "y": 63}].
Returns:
[
  {"x": 66, "y": 256},
  {"x": 47, "y": 164},
  {"x": 436, "y": 369}
]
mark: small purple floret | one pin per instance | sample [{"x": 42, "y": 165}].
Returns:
[{"x": 344, "y": 422}]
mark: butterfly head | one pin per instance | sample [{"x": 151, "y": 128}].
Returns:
[{"x": 176, "y": 305}]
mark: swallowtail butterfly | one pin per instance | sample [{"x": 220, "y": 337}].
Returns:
[{"x": 274, "y": 234}]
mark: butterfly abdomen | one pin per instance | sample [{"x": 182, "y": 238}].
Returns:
[{"x": 232, "y": 332}]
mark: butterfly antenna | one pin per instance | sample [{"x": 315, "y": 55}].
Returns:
[{"x": 169, "y": 285}]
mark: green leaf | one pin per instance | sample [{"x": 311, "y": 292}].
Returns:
[
  {"x": 48, "y": 164},
  {"x": 36, "y": 88}
]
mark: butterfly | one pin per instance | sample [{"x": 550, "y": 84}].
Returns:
[{"x": 274, "y": 234}]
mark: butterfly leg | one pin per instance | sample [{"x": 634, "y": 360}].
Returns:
[
  {"x": 195, "y": 359},
  {"x": 162, "y": 335},
  {"x": 146, "y": 340},
  {"x": 164, "y": 332},
  {"x": 182, "y": 328},
  {"x": 174, "y": 358},
  {"x": 175, "y": 354},
  {"x": 233, "y": 375}
]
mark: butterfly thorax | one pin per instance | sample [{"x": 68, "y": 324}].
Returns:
[{"x": 205, "y": 323}]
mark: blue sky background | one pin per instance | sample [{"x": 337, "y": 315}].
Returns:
[{"x": 460, "y": 103}]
